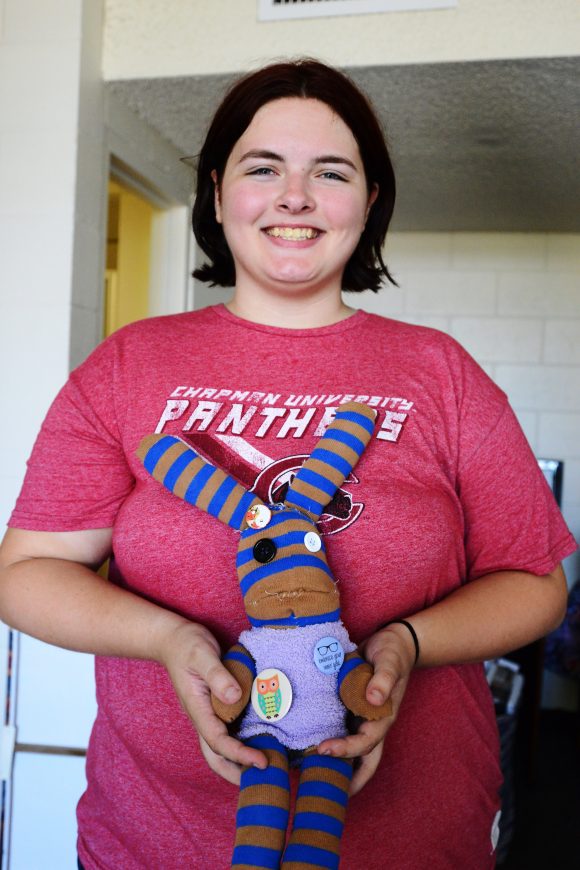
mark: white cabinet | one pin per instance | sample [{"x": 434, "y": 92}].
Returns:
[
  {"x": 43, "y": 831},
  {"x": 49, "y": 695}
]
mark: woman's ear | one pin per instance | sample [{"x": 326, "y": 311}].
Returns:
[
  {"x": 372, "y": 197},
  {"x": 217, "y": 203}
]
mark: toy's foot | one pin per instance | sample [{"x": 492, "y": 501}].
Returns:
[
  {"x": 262, "y": 817},
  {"x": 320, "y": 810}
]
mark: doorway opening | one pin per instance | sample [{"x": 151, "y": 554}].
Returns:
[{"x": 128, "y": 270}]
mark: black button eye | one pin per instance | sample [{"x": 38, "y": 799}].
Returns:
[{"x": 264, "y": 550}]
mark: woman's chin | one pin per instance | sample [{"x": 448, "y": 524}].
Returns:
[{"x": 297, "y": 282}]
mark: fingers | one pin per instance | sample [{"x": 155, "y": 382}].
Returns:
[
  {"x": 219, "y": 679},
  {"x": 392, "y": 659},
  {"x": 193, "y": 693},
  {"x": 367, "y": 745},
  {"x": 224, "y": 768},
  {"x": 232, "y": 752},
  {"x": 366, "y": 769},
  {"x": 195, "y": 670},
  {"x": 369, "y": 735},
  {"x": 381, "y": 685},
  {"x": 392, "y": 662},
  {"x": 228, "y": 770},
  {"x": 201, "y": 656}
]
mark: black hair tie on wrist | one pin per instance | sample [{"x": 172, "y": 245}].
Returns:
[{"x": 411, "y": 629}]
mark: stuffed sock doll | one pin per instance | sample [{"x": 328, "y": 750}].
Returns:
[{"x": 297, "y": 667}]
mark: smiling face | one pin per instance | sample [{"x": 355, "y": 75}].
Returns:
[{"x": 293, "y": 199}]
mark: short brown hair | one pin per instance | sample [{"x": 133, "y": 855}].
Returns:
[{"x": 309, "y": 79}]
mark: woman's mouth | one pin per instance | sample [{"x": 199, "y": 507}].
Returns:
[{"x": 293, "y": 234}]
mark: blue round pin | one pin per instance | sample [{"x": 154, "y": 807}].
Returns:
[{"x": 328, "y": 655}]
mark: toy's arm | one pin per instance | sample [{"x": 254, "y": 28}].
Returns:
[
  {"x": 241, "y": 666},
  {"x": 353, "y": 679}
]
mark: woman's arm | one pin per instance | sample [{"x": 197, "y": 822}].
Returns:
[
  {"x": 488, "y": 617},
  {"x": 48, "y": 589},
  {"x": 484, "y": 619}
]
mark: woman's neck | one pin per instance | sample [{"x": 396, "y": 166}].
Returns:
[{"x": 290, "y": 312}]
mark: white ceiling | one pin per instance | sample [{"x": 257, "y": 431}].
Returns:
[{"x": 477, "y": 146}]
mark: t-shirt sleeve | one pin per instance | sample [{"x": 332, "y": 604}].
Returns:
[
  {"x": 511, "y": 519},
  {"x": 77, "y": 475}
]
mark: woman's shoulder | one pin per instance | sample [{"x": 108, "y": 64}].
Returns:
[
  {"x": 144, "y": 343},
  {"x": 152, "y": 336},
  {"x": 416, "y": 337},
  {"x": 162, "y": 325},
  {"x": 436, "y": 354}
]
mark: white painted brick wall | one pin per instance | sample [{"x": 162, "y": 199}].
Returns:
[
  {"x": 451, "y": 291},
  {"x": 513, "y": 301},
  {"x": 43, "y": 73},
  {"x": 539, "y": 293},
  {"x": 509, "y": 340},
  {"x": 38, "y": 148},
  {"x": 562, "y": 341}
]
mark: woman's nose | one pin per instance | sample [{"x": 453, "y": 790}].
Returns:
[{"x": 295, "y": 197}]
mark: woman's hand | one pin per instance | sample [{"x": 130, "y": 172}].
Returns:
[
  {"x": 391, "y": 652},
  {"x": 191, "y": 655}
]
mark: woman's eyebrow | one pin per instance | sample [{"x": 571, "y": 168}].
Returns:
[
  {"x": 261, "y": 154},
  {"x": 335, "y": 158},
  {"x": 264, "y": 154}
]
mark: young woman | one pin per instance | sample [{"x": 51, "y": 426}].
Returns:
[{"x": 447, "y": 524}]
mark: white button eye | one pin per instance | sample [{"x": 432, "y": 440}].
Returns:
[{"x": 312, "y": 542}]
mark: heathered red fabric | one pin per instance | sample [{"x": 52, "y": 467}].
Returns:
[{"x": 448, "y": 490}]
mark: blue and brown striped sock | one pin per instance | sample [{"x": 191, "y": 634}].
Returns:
[
  {"x": 263, "y": 807},
  {"x": 320, "y": 810}
]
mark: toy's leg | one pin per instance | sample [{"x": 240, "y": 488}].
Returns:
[
  {"x": 320, "y": 811},
  {"x": 263, "y": 808}
]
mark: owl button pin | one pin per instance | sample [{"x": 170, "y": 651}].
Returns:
[
  {"x": 258, "y": 516},
  {"x": 328, "y": 655},
  {"x": 271, "y": 695}
]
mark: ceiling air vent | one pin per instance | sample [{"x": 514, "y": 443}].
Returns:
[{"x": 280, "y": 10}]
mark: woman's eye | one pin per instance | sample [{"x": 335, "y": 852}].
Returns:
[
  {"x": 261, "y": 170},
  {"x": 333, "y": 176}
]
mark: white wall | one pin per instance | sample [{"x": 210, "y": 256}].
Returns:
[
  {"x": 51, "y": 239},
  {"x": 38, "y": 150},
  {"x": 149, "y": 38}
]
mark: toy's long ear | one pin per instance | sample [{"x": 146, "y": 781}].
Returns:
[
  {"x": 184, "y": 473},
  {"x": 332, "y": 460}
]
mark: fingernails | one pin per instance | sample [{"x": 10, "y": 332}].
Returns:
[{"x": 232, "y": 694}]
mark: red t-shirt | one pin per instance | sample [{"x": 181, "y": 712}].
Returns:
[{"x": 448, "y": 490}]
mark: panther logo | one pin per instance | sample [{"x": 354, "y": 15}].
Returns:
[
  {"x": 272, "y": 483},
  {"x": 270, "y": 478}
]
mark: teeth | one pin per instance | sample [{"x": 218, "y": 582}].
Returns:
[{"x": 292, "y": 233}]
